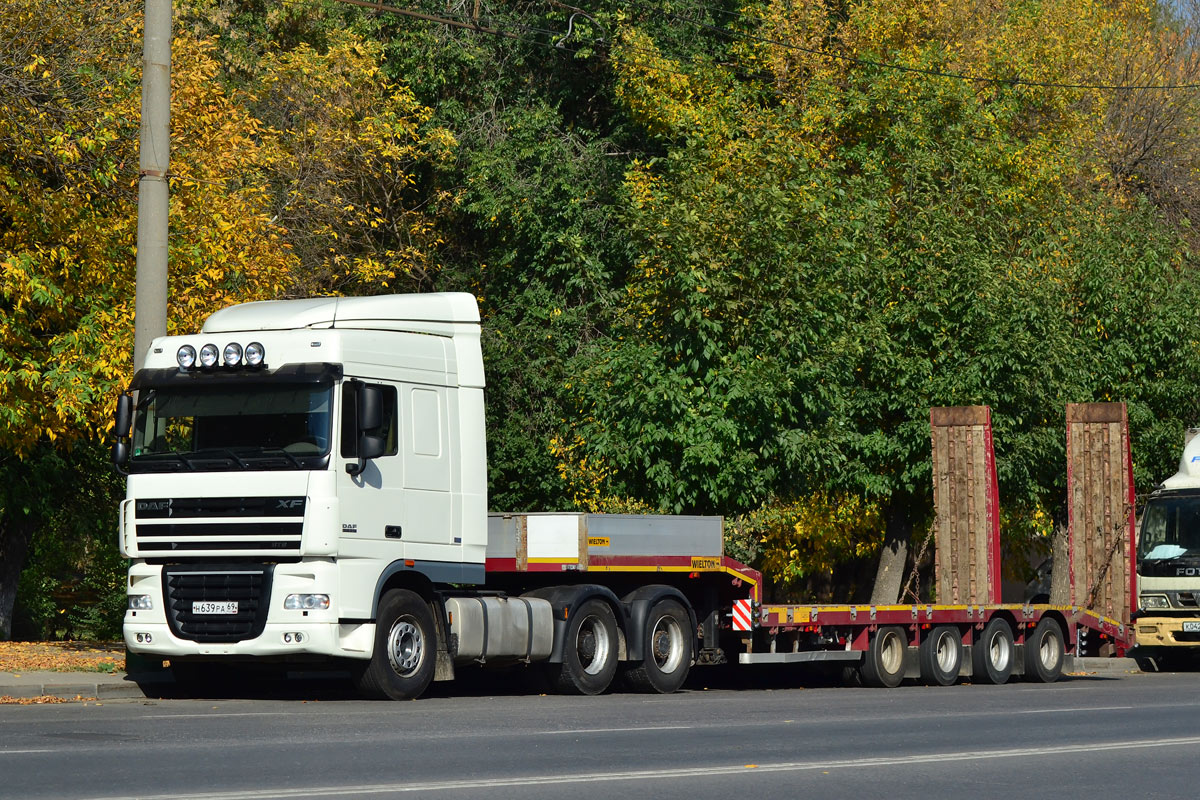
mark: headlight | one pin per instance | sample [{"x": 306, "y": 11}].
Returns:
[
  {"x": 1154, "y": 601},
  {"x": 254, "y": 354},
  {"x": 306, "y": 602},
  {"x": 208, "y": 355},
  {"x": 140, "y": 602},
  {"x": 186, "y": 356},
  {"x": 233, "y": 354}
]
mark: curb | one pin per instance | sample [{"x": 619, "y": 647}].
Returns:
[
  {"x": 1089, "y": 665},
  {"x": 111, "y": 686}
]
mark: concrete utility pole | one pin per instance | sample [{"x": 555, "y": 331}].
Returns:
[{"x": 150, "y": 303}]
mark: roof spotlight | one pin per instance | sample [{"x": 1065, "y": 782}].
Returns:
[
  {"x": 255, "y": 354},
  {"x": 233, "y": 354},
  {"x": 186, "y": 357},
  {"x": 208, "y": 355}
]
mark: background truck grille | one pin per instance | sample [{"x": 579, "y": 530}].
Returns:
[
  {"x": 247, "y": 584},
  {"x": 201, "y": 526}
]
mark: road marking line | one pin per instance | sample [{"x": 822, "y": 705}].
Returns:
[
  {"x": 674, "y": 774},
  {"x": 1076, "y": 710},
  {"x": 614, "y": 730},
  {"x": 19, "y": 752}
]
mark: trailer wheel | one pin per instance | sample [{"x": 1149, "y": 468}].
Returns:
[
  {"x": 667, "y": 646},
  {"x": 992, "y": 655},
  {"x": 883, "y": 663},
  {"x": 590, "y": 651},
  {"x": 941, "y": 656},
  {"x": 1044, "y": 652},
  {"x": 405, "y": 654}
]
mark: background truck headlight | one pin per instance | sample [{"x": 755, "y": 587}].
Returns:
[{"x": 1154, "y": 601}]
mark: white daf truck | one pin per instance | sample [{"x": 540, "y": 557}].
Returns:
[
  {"x": 1168, "y": 565},
  {"x": 307, "y": 480}
]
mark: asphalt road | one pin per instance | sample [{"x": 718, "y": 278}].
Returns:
[{"x": 1100, "y": 736}]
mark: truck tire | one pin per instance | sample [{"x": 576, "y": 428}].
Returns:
[
  {"x": 941, "y": 656},
  {"x": 589, "y": 652},
  {"x": 667, "y": 647},
  {"x": 405, "y": 653},
  {"x": 1044, "y": 652},
  {"x": 883, "y": 663},
  {"x": 993, "y": 652}
]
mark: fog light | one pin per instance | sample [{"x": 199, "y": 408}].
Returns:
[
  {"x": 140, "y": 602},
  {"x": 149, "y": 638},
  {"x": 299, "y": 637},
  {"x": 306, "y": 602},
  {"x": 233, "y": 354},
  {"x": 287, "y": 638}
]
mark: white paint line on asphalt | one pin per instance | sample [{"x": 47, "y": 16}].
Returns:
[
  {"x": 1075, "y": 710},
  {"x": 20, "y": 752},
  {"x": 217, "y": 714},
  {"x": 615, "y": 730},
  {"x": 684, "y": 773}
]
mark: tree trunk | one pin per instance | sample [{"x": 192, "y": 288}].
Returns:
[
  {"x": 889, "y": 578},
  {"x": 16, "y": 532},
  {"x": 1060, "y": 571}
]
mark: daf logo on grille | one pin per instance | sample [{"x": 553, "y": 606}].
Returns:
[
  {"x": 154, "y": 505},
  {"x": 285, "y": 504}
]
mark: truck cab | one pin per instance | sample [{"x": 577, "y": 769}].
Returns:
[
  {"x": 290, "y": 460},
  {"x": 1168, "y": 564}
]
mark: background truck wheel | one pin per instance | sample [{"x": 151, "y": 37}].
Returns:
[
  {"x": 941, "y": 656},
  {"x": 589, "y": 652},
  {"x": 1044, "y": 652},
  {"x": 667, "y": 647},
  {"x": 883, "y": 663},
  {"x": 405, "y": 654},
  {"x": 992, "y": 655}
]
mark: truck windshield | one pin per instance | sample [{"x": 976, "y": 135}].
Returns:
[
  {"x": 253, "y": 427},
  {"x": 1170, "y": 528}
]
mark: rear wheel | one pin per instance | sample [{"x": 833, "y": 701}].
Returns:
[
  {"x": 992, "y": 655},
  {"x": 883, "y": 663},
  {"x": 667, "y": 650},
  {"x": 405, "y": 654},
  {"x": 941, "y": 656},
  {"x": 1044, "y": 652},
  {"x": 589, "y": 652}
]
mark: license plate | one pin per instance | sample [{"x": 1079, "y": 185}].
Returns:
[
  {"x": 1191, "y": 627},
  {"x": 207, "y": 607}
]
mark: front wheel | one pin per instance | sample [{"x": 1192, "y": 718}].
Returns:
[
  {"x": 667, "y": 650},
  {"x": 589, "y": 652},
  {"x": 402, "y": 664}
]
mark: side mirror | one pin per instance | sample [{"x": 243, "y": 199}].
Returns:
[
  {"x": 370, "y": 408},
  {"x": 370, "y": 420},
  {"x": 122, "y": 420},
  {"x": 123, "y": 416}
]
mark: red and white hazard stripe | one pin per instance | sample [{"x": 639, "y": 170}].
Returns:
[{"x": 741, "y": 615}]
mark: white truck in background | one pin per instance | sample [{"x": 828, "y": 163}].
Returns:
[
  {"x": 1168, "y": 565},
  {"x": 307, "y": 480}
]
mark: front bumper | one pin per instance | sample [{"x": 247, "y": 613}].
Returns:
[
  {"x": 277, "y": 639},
  {"x": 1166, "y": 632}
]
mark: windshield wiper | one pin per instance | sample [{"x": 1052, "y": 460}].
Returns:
[
  {"x": 284, "y": 453},
  {"x": 225, "y": 451}
]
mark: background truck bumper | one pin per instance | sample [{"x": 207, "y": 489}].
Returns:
[{"x": 1156, "y": 632}]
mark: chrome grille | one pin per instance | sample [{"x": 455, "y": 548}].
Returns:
[{"x": 265, "y": 526}]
